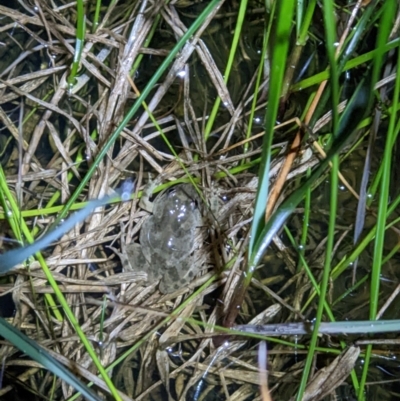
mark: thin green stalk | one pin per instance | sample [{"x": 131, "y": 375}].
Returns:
[
  {"x": 325, "y": 277},
  {"x": 304, "y": 23},
  {"x": 79, "y": 43},
  {"x": 317, "y": 289},
  {"x": 235, "y": 43},
  {"x": 377, "y": 179},
  {"x": 391, "y": 254},
  {"x": 351, "y": 289},
  {"x": 353, "y": 63},
  {"x": 280, "y": 45},
  {"x": 306, "y": 222},
  {"x": 311, "y": 277},
  {"x": 257, "y": 86},
  {"x": 388, "y": 13},
  {"x": 96, "y": 16},
  {"x": 12, "y": 218},
  {"x": 301, "y": 40},
  {"x": 40, "y": 355}
]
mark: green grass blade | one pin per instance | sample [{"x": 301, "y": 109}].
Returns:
[
  {"x": 389, "y": 11},
  {"x": 80, "y": 40},
  {"x": 358, "y": 34},
  {"x": 279, "y": 50},
  {"x": 305, "y": 12},
  {"x": 235, "y": 43},
  {"x": 96, "y": 16},
  {"x": 353, "y": 63},
  {"x": 39, "y": 354},
  {"x": 306, "y": 223},
  {"x": 257, "y": 84},
  {"x": 11, "y": 258},
  {"x": 330, "y": 31},
  {"x": 325, "y": 277}
]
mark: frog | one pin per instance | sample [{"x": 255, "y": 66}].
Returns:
[{"x": 167, "y": 239}]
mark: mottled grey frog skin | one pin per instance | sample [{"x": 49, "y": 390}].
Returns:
[{"x": 167, "y": 240}]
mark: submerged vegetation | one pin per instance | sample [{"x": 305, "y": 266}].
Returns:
[{"x": 283, "y": 116}]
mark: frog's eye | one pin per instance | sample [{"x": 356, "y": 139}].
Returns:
[
  {"x": 171, "y": 191},
  {"x": 193, "y": 204}
]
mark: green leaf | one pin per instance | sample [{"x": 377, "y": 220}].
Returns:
[{"x": 39, "y": 354}]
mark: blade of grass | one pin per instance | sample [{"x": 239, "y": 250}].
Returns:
[
  {"x": 302, "y": 27},
  {"x": 389, "y": 11},
  {"x": 12, "y": 258},
  {"x": 235, "y": 43},
  {"x": 96, "y": 16},
  {"x": 258, "y": 82},
  {"x": 330, "y": 32},
  {"x": 279, "y": 49},
  {"x": 343, "y": 53},
  {"x": 39, "y": 354},
  {"x": 331, "y": 328},
  {"x": 325, "y": 277},
  {"x": 355, "y": 62},
  {"x": 306, "y": 222},
  {"x": 79, "y": 43}
]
